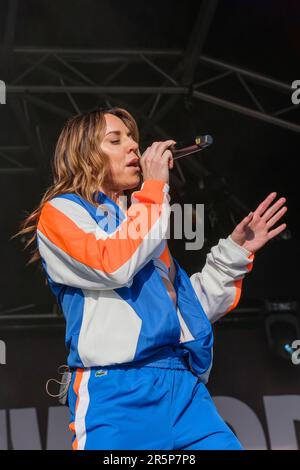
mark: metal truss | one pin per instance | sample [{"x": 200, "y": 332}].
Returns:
[
  {"x": 35, "y": 75},
  {"x": 65, "y": 66},
  {"x": 26, "y": 86},
  {"x": 124, "y": 58}
]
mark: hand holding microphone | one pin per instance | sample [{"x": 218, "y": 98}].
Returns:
[
  {"x": 159, "y": 157},
  {"x": 157, "y": 160}
]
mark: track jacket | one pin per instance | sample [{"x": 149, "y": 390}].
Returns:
[{"x": 105, "y": 268}]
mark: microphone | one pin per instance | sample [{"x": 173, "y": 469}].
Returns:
[{"x": 182, "y": 149}]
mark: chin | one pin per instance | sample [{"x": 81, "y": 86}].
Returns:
[{"x": 134, "y": 184}]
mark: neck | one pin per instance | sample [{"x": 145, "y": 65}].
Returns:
[{"x": 113, "y": 194}]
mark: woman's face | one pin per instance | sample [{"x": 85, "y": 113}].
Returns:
[{"x": 122, "y": 151}]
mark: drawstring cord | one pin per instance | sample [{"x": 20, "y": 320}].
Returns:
[{"x": 66, "y": 373}]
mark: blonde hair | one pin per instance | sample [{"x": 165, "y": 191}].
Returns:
[{"x": 79, "y": 165}]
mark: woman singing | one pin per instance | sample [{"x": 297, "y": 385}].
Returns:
[{"x": 138, "y": 328}]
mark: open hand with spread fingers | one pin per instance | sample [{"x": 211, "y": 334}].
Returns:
[{"x": 255, "y": 230}]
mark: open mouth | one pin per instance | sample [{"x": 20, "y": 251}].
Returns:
[{"x": 134, "y": 165}]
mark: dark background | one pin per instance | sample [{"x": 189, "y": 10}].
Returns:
[
  {"x": 84, "y": 43},
  {"x": 249, "y": 157}
]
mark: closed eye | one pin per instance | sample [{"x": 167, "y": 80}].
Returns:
[{"x": 117, "y": 141}]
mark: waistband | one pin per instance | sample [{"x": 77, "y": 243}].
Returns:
[
  {"x": 167, "y": 358},
  {"x": 170, "y": 358}
]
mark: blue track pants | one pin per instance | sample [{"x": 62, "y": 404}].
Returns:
[{"x": 156, "y": 404}]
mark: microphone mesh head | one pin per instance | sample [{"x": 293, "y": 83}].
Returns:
[{"x": 203, "y": 139}]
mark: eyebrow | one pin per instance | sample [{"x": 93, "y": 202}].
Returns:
[{"x": 116, "y": 132}]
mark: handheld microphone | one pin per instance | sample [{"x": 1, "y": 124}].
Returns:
[{"x": 182, "y": 149}]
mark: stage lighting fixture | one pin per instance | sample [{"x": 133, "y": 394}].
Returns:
[{"x": 282, "y": 327}]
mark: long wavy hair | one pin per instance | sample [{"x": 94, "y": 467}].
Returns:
[{"x": 79, "y": 165}]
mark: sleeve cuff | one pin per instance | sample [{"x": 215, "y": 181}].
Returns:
[
  {"x": 239, "y": 247},
  {"x": 155, "y": 190}
]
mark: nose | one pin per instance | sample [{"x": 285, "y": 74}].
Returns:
[{"x": 132, "y": 146}]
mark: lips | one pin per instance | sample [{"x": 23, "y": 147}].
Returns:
[{"x": 134, "y": 163}]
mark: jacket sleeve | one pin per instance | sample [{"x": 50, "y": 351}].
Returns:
[
  {"x": 219, "y": 284},
  {"x": 76, "y": 252}
]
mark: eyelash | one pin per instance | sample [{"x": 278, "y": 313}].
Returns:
[{"x": 116, "y": 141}]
